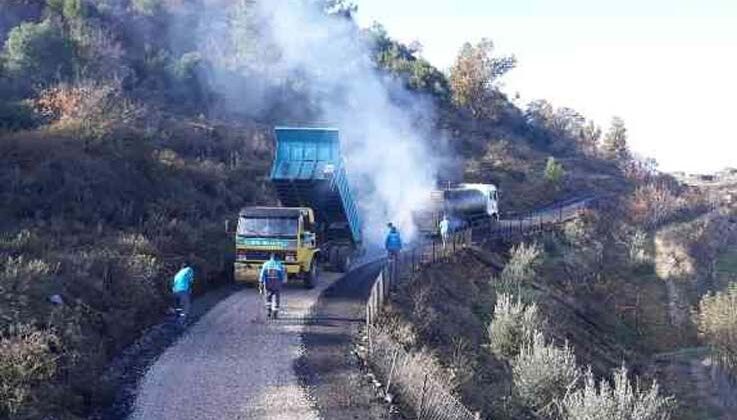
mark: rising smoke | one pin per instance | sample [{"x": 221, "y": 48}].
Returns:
[{"x": 383, "y": 127}]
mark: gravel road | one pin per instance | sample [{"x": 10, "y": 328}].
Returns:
[
  {"x": 329, "y": 368},
  {"x": 234, "y": 363}
]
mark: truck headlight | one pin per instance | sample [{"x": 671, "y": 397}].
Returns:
[{"x": 290, "y": 258}]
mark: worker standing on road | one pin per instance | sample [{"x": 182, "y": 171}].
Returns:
[
  {"x": 393, "y": 243},
  {"x": 182, "y": 289},
  {"x": 444, "y": 227},
  {"x": 271, "y": 280}
]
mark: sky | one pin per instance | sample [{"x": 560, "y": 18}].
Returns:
[{"x": 667, "y": 67}]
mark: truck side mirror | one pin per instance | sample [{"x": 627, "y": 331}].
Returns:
[{"x": 228, "y": 228}]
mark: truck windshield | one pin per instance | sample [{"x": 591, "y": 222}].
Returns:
[{"x": 268, "y": 227}]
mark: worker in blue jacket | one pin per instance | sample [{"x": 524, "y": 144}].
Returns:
[
  {"x": 393, "y": 243},
  {"x": 182, "y": 289},
  {"x": 271, "y": 279}
]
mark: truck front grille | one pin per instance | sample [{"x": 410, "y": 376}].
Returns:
[{"x": 252, "y": 255}]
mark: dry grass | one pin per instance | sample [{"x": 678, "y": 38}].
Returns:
[
  {"x": 101, "y": 218},
  {"x": 27, "y": 358}
]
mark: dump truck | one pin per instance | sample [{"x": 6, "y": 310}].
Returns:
[{"x": 318, "y": 220}]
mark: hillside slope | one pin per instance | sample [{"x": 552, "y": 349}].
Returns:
[{"x": 130, "y": 130}]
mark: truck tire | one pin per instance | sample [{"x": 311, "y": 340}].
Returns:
[
  {"x": 310, "y": 277},
  {"x": 334, "y": 257},
  {"x": 344, "y": 259}
]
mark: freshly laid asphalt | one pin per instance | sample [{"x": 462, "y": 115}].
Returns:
[{"x": 234, "y": 363}]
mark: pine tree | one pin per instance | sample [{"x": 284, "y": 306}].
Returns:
[
  {"x": 473, "y": 77},
  {"x": 615, "y": 145}
]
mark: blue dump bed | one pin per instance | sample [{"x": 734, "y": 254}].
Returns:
[{"x": 308, "y": 171}]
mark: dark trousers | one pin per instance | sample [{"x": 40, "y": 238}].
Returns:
[
  {"x": 393, "y": 264},
  {"x": 273, "y": 294},
  {"x": 183, "y": 302}
]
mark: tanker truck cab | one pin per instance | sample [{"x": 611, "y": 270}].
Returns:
[
  {"x": 287, "y": 232},
  {"x": 491, "y": 196}
]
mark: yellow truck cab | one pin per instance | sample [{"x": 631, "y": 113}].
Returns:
[{"x": 287, "y": 232}]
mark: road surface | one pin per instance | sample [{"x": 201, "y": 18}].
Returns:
[{"x": 234, "y": 363}]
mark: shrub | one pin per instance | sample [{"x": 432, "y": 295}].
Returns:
[
  {"x": 521, "y": 268},
  {"x": 24, "y": 241},
  {"x": 621, "y": 402},
  {"x": 583, "y": 258},
  {"x": 146, "y": 7},
  {"x": 405, "y": 62},
  {"x": 638, "y": 247},
  {"x": 17, "y": 277},
  {"x": 513, "y": 326},
  {"x": 80, "y": 101},
  {"x": 99, "y": 52},
  {"x": 26, "y": 358},
  {"x": 188, "y": 86},
  {"x": 717, "y": 323},
  {"x": 94, "y": 108},
  {"x": 16, "y": 116},
  {"x": 543, "y": 373},
  {"x": 554, "y": 171},
  {"x": 655, "y": 204},
  {"x": 37, "y": 53}
]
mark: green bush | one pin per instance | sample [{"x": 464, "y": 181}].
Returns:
[
  {"x": 554, "y": 171},
  {"x": 621, "y": 402},
  {"x": 70, "y": 9},
  {"x": 19, "y": 278},
  {"x": 146, "y": 7},
  {"x": 37, "y": 53},
  {"x": 543, "y": 373},
  {"x": 513, "y": 326},
  {"x": 521, "y": 267},
  {"x": 187, "y": 86},
  {"x": 717, "y": 323},
  {"x": 26, "y": 359},
  {"x": 404, "y": 62}
]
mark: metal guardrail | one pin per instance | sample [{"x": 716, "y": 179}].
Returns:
[{"x": 427, "y": 396}]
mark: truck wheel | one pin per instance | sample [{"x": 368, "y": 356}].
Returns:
[
  {"x": 310, "y": 278},
  {"x": 344, "y": 259},
  {"x": 334, "y": 257}
]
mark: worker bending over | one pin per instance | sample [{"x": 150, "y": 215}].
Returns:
[{"x": 182, "y": 289}]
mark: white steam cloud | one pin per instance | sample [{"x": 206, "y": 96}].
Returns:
[{"x": 383, "y": 127}]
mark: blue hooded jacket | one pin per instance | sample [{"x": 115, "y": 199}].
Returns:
[
  {"x": 183, "y": 280},
  {"x": 393, "y": 241},
  {"x": 272, "y": 264}
]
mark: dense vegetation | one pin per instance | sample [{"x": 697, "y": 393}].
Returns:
[
  {"x": 547, "y": 336},
  {"x": 130, "y": 129}
]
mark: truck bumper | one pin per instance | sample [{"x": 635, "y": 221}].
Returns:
[{"x": 247, "y": 272}]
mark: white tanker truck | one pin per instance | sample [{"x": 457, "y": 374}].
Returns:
[{"x": 463, "y": 204}]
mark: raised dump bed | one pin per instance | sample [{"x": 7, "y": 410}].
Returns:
[{"x": 308, "y": 171}]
